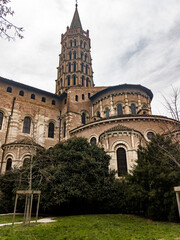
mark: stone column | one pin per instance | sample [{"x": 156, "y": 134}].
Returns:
[{"x": 126, "y": 104}]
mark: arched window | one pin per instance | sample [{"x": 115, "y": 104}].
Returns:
[
  {"x": 98, "y": 114},
  {"x": 69, "y": 67},
  {"x": 83, "y": 81},
  {"x": 27, "y": 125},
  {"x": 74, "y": 79},
  {"x": 133, "y": 108},
  {"x": 43, "y": 99},
  {"x": 119, "y": 110},
  {"x": 81, "y": 42},
  {"x": 83, "y": 118},
  {"x": 84, "y": 45},
  {"x": 93, "y": 141},
  {"x": 76, "y": 98},
  {"x": 87, "y": 82},
  {"x": 71, "y": 43},
  {"x": 121, "y": 161},
  {"x": 33, "y": 96},
  {"x": 82, "y": 67},
  {"x": 81, "y": 55},
  {"x": 9, "y": 164},
  {"x": 51, "y": 130},
  {"x": 53, "y": 102},
  {"x": 1, "y": 120},
  {"x": 82, "y": 96},
  {"x": 61, "y": 82},
  {"x": 68, "y": 80},
  {"x": 26, "y": 162},
  {"x": 64, "y": 129},
  {"x": 70, "y": 55},
  {"x": 85, "y": 57},
  {"x": 21, "y": 93},
  {"x": 150, "y": 135},
  {"x": 86, "y": 69},
  {"x": 107, "y": 112},
  {"x": 74, "y": 53},
  {"x": 74, "y": 64},
  {"x": 9, "y": 89},
  {"x": 75, "y": 42}
]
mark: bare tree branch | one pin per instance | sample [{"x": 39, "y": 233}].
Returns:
[{"x": 7, "y": 29}]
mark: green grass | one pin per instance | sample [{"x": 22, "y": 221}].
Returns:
[
  {"x": 94, "y": 227},
  {"x": 8, "y": 218}
]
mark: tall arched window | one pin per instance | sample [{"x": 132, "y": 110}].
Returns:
[
  {"x": 86, "y": 69},
  {"x": 85, "y": 57},
  {"x": 121, "y": 161},
  {"x": 107, "y": 112},
  {"x": 81, "y": 42},
  {"x": 81, "y": 55},
  {"x": 68, "y": 80},
  {"x": 82, "y": 67},
  {"x": 64, "y": 129},
  {"x": 1, "y": 120},
  {"x": 74, "y": 64},
  {"x": 70, "y": 55},
  {"x": 26, "y": 162},
  {"x": 51, "y": 130},
  {"x": 61, "y": 82},
  {"x": 9, "y": 164},
  {"x": 74, "y": 79},
  {"x": 119, "y": 110},
  {"x": 87, "y": 82},
  {"x": 83, "y": 81},
  {"x": 84, "y": 45},
  {"x": 93, "y": 141},
  {"x": 75, "y": 42},
  {"x": 83, "y": 118},
  {"x": 27, "y": 125},
  {"x": 69, "y": 67},
  {"x": 71, "y": 43},
  {"x": 74, "y": 53},
  {"x": 133, "y": 108}
]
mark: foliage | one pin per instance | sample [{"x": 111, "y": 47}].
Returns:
[
  {"x": 151, "y": 184},
  {"x": 104, "y": 227},
  {"x": 7, "y": 27}
]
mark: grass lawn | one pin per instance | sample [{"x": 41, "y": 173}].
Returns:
[
  {"x": 8, "y": 218},
  {"x": 94, "y": 227}
]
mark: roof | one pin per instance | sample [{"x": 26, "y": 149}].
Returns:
[
  {"x": 76, "y": 22},
  {"x": 27, "y": 87},
  {"x": 121, "y": 87},
  {"x": 23, "y": 141}
]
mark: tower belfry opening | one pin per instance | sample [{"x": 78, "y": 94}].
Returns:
[{"x": 75, "y": 63}]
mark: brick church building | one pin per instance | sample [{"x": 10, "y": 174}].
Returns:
[{"x": 117, "y": 118}]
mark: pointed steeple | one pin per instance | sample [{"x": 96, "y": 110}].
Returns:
[{"x": 76, "y": 22}]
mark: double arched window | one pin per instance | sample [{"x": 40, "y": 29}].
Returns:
[
  {"x": 133, "y": 108},
  {"x": 1, "y": 120},
  {"x": 119, "y": 110},
  {"x": 27, "y": 125},
  {"x": 51, "y": 130}
]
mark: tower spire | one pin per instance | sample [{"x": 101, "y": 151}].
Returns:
[{"x": 76, "y": 22}]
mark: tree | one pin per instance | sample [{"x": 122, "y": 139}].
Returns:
[
  {"x": 73, "y": 177},
  {"x": 7, "y": 29},
  {"x": 150, "y": 187}
]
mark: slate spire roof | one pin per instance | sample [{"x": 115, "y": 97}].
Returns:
[{"x": 76, "y": 22}]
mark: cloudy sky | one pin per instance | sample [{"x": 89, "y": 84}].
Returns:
[{"x": 133, "y": 41}]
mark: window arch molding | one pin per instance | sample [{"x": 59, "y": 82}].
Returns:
[
  {"x": 94, "y": 136},
  {"x": 7, "y": 157},
  {"x": 31, "y": 123},
  {"x": 133, "y": 108},
  {"x": 149, "y": 130}
]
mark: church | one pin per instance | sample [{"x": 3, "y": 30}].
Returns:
[{"x": 118, "y": 118}]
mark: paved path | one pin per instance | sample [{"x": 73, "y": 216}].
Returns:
[{"x": 43, "y": 220}]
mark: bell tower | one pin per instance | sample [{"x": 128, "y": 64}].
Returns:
[{"x": 75, "y": 67}]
